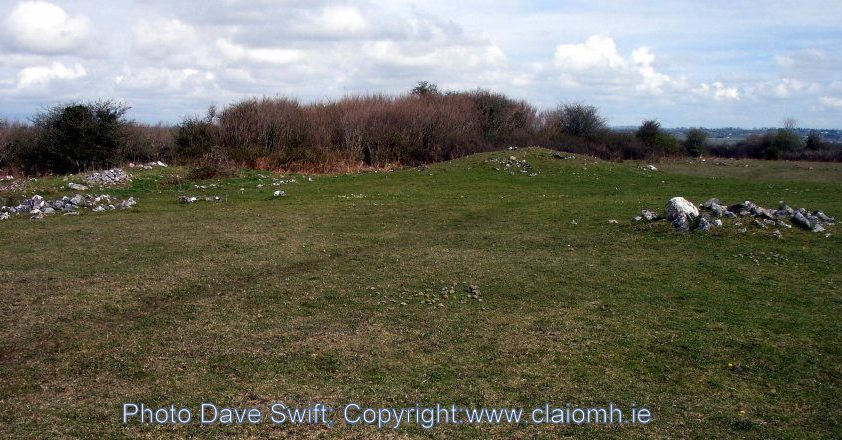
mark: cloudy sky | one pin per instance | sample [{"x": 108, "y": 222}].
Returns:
[{"x": 713, "y": 63}]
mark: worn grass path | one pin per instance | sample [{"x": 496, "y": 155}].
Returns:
[{"x": 299, "y": 299}]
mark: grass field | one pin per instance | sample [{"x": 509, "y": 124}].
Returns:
[{"x": 332, "y": 294}]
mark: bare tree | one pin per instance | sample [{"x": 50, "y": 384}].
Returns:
[{"x": 790, "y": 124}]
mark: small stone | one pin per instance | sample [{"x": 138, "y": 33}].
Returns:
[
  {"x": 651, "y": 167},
  {"x": 801, "y": 220},
  {"x": 77, "y": 187},
  {"x": 613, "y": 222},
  {"x": 717, "y": 222},
  {"x": 710, "y": 203},
  {"x": 777, "y": 233},
  {"x": 823, "y": 217},
  {"x": 128, "y": 203},
  {"x": 279, "y": 193},
  {"x": 681, "y": 222},
  {"x": 648, "y": 215}
]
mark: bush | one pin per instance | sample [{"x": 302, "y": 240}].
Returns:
[
  {"x": 72, "y": 138},
  {"x": 254, "y": 128},
  {"x": 144, "y": 143},
  {"x": 577, "y": 120},
  {"x": 696, "y": 142},
  {"x": 6, "y": 130},
  {"x": 212, "y": 165},
  {"x": 424, "y": 88},
  {"x": 196, "y": 136},
  {"x": 503, "y": 120},
  {"x": 648, "y": 132},
  {"x": 659, "y": 142}
]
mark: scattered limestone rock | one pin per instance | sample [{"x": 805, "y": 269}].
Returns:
[
  {"x": 114, "y": 176},
  {"x": 513, "y": 166},
  {"x": 684, "y": 216},
  {"x": 77, "y": 186},
  {"x": 186, "y": 200},
  {"x": 279, "y": 193},
  {"x": 651, "y": 167},
  {"x": 148, "y": 165},
  {"x": 126, "y": 204}
]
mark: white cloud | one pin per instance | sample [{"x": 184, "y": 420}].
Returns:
[
  {"x": 597, "y": 62},
  {"x": 164, "y": 79},
  {"x": 163, "y": 37},
  {"x": 781, "y": 88},
  {"x": 42, "y": 27},
  {"x": 41, "y": 76},
  {"x": 718, "y": 91},
  {"x": 598, "y": 51},
  {"x": 455, "y": 56},
  {"x": 235, "y": 53},
  {"x": 830, "y": 101},
  {"x": 342, "y": 19},
  {"x": 652, "y": 81}
]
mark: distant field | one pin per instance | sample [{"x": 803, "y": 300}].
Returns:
[{"x": 332, "y": 294}]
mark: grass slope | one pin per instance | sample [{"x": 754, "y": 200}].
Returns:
[{"x": 299, "y": 299}]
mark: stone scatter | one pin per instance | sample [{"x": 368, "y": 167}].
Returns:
[
  {"x": 148, "y": 165},
  {"x": 114, "y": 176},
  {"x": 512, "y": 165},
  {"x": 37, "y": 207},
  {"x": 684, "y": 216}
]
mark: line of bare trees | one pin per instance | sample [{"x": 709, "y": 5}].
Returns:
[{"x": 424, "y": 125}]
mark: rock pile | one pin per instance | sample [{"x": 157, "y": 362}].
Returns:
[
  {"x": 684, "y": 216},
  {"x": 36, "y": 207},
  {"x": 114, "y": 176}
]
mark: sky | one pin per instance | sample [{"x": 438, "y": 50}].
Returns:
[{"x": 685, "y": 63}]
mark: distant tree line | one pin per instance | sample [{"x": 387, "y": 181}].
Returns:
[{"x": 424, "y": 125}]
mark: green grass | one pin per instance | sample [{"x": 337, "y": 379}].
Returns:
[{"x": 298, "y": 299}]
